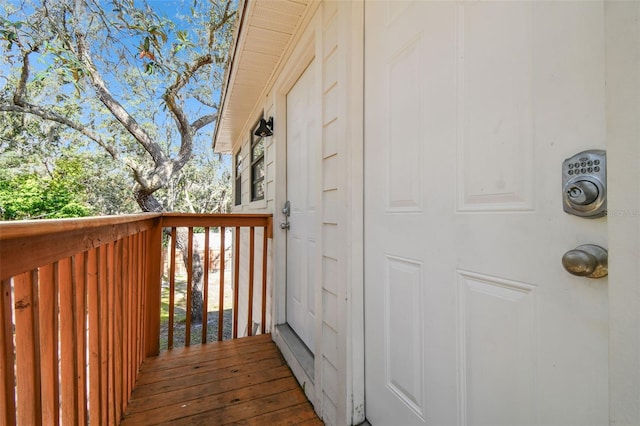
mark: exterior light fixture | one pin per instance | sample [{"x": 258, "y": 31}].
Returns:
[{"x": 265, "y": 128}]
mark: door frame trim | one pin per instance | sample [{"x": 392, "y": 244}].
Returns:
[
  {"x": 622, "y": 50},
  {"x": 293, "y": 71},
  {"x": 308, "y": 48}
]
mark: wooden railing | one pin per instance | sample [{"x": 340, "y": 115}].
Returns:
[
  {"x": 244, "y": 229},
  {"x": 81, "y": 305}
]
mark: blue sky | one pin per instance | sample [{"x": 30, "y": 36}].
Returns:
[{"x": 172, "y": 10}]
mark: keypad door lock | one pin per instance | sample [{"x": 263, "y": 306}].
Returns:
[{"x": 584, "y": 184}]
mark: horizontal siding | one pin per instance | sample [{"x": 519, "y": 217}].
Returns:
[
  {"x": 330, "y": 274},
  {"x": 329, "y": 411},
  {"x": 331, "y": 240},
  {"x": 330, "y": 344},
  {"x": 330, "y": 309},
  {"x": 330, "y": 139}
]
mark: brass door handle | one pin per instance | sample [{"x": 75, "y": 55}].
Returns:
[{"x": 588, "y": 260}]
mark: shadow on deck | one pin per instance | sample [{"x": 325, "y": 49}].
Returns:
[{"x": 241, "y": 381}]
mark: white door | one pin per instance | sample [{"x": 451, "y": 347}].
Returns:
[
  {"x": 470, "y": 109},
  {"x": 303, "y": 144}
]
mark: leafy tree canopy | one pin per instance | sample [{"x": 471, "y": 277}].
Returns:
[{"x": 122, "y": 89}]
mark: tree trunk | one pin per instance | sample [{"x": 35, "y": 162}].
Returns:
[
  {"x": 197, "y": 272},
  {"x": 148, "y": 203}
]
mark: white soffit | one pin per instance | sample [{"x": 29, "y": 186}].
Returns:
[{"x": 264, "y": 31}]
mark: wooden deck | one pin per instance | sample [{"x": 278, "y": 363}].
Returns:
[{"x": 243, "y": 381}]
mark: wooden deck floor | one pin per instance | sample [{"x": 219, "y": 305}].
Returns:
[{"x": 244, "y": 381}]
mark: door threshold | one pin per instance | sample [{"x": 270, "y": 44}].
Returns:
[
  {"x": 297, "y": 347},
  {"x": 299, "y": 358}
]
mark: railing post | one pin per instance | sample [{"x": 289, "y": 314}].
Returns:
[{"x": 152, "y": 299}]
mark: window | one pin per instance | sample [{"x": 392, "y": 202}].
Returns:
[
  {"x": 238, "y": 179},
  {"x": 257, "y": 166}
]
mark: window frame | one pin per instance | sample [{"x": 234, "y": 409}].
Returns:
[
  {"x": 238, "y": 159},
  {"x": 256, "y": 140}
]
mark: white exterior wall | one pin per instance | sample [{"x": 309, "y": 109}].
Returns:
[
  {"x": 243, "y": 294},
  {"x": 333, "y": 39},
  {"x": 261, "y": 206}
]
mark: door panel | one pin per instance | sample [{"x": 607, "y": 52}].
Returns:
[
  {"x": 303, "y": 144},
  {"x": 470, "y": 109}
]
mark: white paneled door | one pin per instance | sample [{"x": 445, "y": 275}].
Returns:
[
  {"x": 470, "y": 110},
  {"x": 303, "y": 145}
]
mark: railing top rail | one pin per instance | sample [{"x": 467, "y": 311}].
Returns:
[
  {"x": 28, "y": 244},
  {"x": 33, "y": 228},
  {"x": 214, "y": 220},
  {"x": 218, "y": 215},
  {"x": 25, "y": 246}
]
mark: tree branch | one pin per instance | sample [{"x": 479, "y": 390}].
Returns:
[
  {"x": 226, "y": 17},
  {"x": 203, "y": 121},
  {"x": 118, "y": 111},
  {"x": 205, "y": 102},
  {"x": 24, "y": 76},
  {"x": 186, "y": 130},
  {"x": 184, "y": 78},
  {"x": 26, "y": 108}
]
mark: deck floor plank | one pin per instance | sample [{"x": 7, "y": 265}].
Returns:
[
  {"x": 242, "y": 410},
  {"x": 202, "y": 367},
  {"x": 243, "y": 381},
  {"x": 292, "y": 415},
  {"x": 199, "y": 377}
]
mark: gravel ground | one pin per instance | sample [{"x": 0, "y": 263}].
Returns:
[{"x": 196, "y": 329}]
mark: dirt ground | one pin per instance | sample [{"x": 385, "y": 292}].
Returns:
[{"x": 212, "y": 311}]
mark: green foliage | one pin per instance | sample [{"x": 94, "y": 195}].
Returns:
[
  {"x": 48, "y": 172},
  {"x": 31, "y": 196}
]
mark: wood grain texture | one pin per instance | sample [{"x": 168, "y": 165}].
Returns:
[
  {"x": 27, "y": 349},
  {"x": 241, "y": 381},
  {"x": 7, "y": 359},
  {"x": 82, "y": 301}
]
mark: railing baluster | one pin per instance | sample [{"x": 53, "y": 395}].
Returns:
[
  {"x": 27, "y": 351},
  {"x": 142, "y": 283},
  {"x": 205, "y": 286},
  {"x": 131, "y": 315},
  {"x": 79, "y": 318},
  {"x": 93, "y": 311},
  {"x": 221, "y": 267},
  {"x": 103, "y": 298},
  {"x": 117, "y": 341},
  {"x": 7, "y": 360},
  {"x": 264, "y": 280},
  {"x": 172, "y": 287},
  {"x": 252, "y": 250},
  {"x": 138, "y": 303},
  {"x": 187, "y": 331},
  {"x": 236, "y": 282},
  {"x": 124, "y": 327},
  {"x": 128, "y": 320},
  {"x": 48, "y": 312},
  {"x": 111, "y": 374},
  {"x": 153, "y": 290},
  {"x": 135, "y": 317},
  {"x": 68, "y": 388}
]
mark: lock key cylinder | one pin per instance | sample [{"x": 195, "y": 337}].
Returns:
[
  {"x": 583, "y": 192},
  {"x": 584, "y": 182}
]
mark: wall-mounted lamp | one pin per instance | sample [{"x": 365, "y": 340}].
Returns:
[{"x": 265, "y": 128}]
